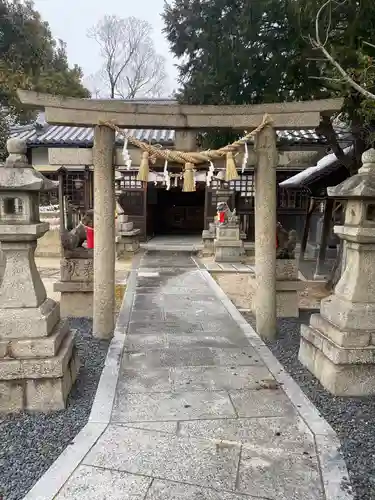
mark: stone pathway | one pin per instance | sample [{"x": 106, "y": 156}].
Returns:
[
  {"x": 228, "y": 268},
  {"x": 197, "y": 415}
]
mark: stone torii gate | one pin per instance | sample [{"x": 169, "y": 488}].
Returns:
[{"x": 185, "y": 119}]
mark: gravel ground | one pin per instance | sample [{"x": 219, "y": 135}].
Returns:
[
  {"x": 351, "y": 418},
  {"x": 30, "y": 443}
]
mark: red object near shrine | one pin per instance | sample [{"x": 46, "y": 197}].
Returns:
[
  {"x": 89, "y": 237},
  {"x": 221, "y": 216}
]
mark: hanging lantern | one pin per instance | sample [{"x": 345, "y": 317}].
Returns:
[{"x": 78, "y": 183}]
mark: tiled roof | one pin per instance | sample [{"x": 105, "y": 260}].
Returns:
[
  {"x": 55, "y": 135},
  {"x": 41, "y": 133},
  {"x": 325, "y": 166}
]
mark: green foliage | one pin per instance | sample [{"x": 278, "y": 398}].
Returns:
[
  {"x": 31, "y": 59},
  {"x": 247, "y": 51}
]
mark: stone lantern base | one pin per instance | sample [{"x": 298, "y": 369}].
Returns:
[
  {"x": 38, "y": 360},
  {"x": 343, "y": 361}
]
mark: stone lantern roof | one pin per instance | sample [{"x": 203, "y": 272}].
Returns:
[
  {"x": 16, "y": 174},
  {"x": 361, "y": 185}
]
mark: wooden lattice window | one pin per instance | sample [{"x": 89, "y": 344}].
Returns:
[
  {"x": 130, "y": 182},
  {"x": 50, "y": 197},
  {"x": 75, "y": 188},
  {"x": 245, "y": 186}
]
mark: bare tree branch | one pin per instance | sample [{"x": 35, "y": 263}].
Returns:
[
  {"x": 318, "y": 44},
  {"x": 131, "y": 66}
]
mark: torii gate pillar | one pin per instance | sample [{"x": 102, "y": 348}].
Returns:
[
  {"x": 104, "y": 224},
  {"x": 265, "y": 232}
]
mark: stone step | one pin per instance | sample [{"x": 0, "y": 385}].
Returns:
[
  {"x": 43, "y": 347},
  {"x": 52, "y": 367},
  {"x": 29, "y": 322}
]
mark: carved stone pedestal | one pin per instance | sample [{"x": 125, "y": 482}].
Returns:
[
  {"x": 38, "y": 361},
  {"x": 127, "y": 239},
  {"x": 208, "y": 238},
  {"x": 76, "y": 285},
  {"x": 287, "y": 287},
  {"x": 338, "y": 346},
  {"x": 228, "y": 245}
]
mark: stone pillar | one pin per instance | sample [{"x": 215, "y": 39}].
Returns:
[
  {"x": 104, "y": 233},
  {"x": 265, "y": 232},
  {"x": 208, "y": 237},
  {"x": 38, "y": 361},
  {"x": 338, "y": 346},
  {"x": 287, "y": 287}
]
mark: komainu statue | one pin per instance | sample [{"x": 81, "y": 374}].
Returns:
[
  {"x": 286, "y": 242},
  {"x": 74, "y": 239},
  {"x": 227, "y": 216}
]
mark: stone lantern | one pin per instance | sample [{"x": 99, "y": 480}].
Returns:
[
  {"x": 127, "y": 237},
  {"x": 38, "y": 362},
  {"x": 338, "y": 346}
]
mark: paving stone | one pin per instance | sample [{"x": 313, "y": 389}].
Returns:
[
  {"x": 147, "y": 315},
  {"x": 200, "y": 314},
  {"x": 162, "y": 490},
  {"x": 157, "y": 327},
  {"x": 151, "y": 341},
  {"x": 182, "y": 289},
  {"x": 211, "y": 324},
  {"x": 194, "y": 461},
  {"x": 91, "y": 483},
  {"x": 288, "y": 434},
  {"x": 206, "y": 340},
  {"x": 280, "y": 477},
  {"x": 166, "y": 427},
  {"x": 203, "y": 356},
  {"x": 220, "y": 378},
  {"x": 262, "y": 403},
  {"x": 184, "y": 339},
  {"x": 170, "y": 406},
  {"x": 189, "y": 308},
  {"x": 134, "y": 381}
]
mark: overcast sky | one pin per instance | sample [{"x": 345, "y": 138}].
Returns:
[{"x": 70, "y": 20}]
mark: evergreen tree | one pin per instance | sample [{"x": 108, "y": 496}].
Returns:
[{"x": 31, "y": 59}]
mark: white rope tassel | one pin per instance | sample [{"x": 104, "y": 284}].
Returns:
[
  {"x": 245, "y": 158},
  {"x": 167, "y": 178},
  {"x": 126, "y": 155},
  {"x": 210, "y": 174},
  {"x": 175, "y": 181}
]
